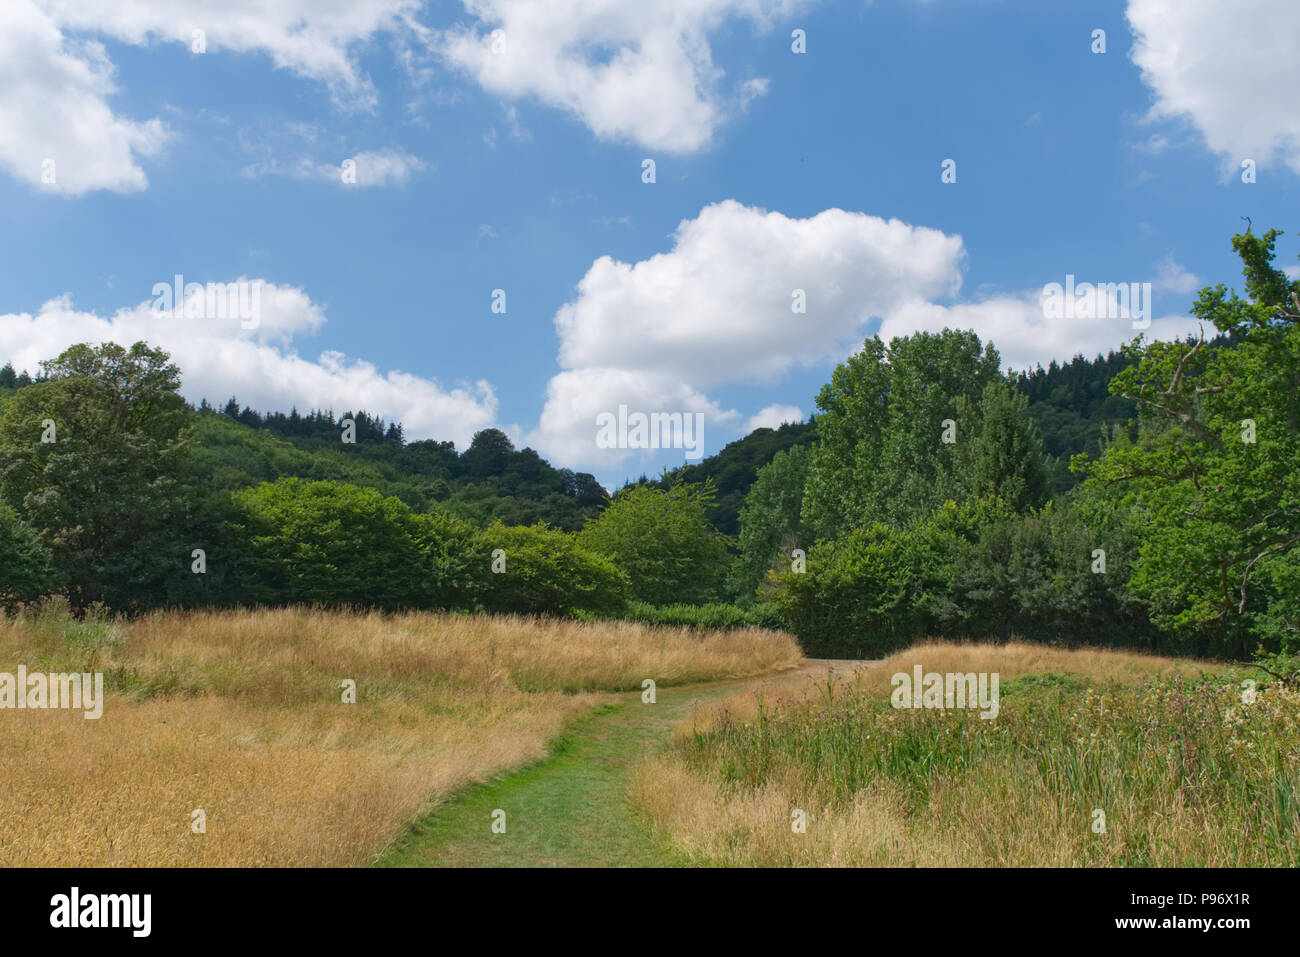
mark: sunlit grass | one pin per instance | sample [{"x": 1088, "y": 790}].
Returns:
[
  {"x": 241, "y": 715},
  {"x": 1185, "y": 773}
]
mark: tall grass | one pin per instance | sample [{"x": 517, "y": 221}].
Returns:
[
  {"x": 1185, "y": 773},
  {"x": 240, "y": 715}
]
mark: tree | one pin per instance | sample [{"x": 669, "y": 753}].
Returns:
[
  {"x": 538, "y": 570},
  {"x": 663, "y": 542},
  {"x": 1004, "y": 456},
  {"x": 489, "y": 452},
  {"x": 770, "y": 524},
  {"x": 333, "y": 544},
  {"x": 93, "y": 456},
  {"x": 890, "y": 427},
  {"x": 1215, "y": 472},
  {"x": 26, "y": 571}
]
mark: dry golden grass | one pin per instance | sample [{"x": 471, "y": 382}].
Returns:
[
  {"x": 724, "y": 794},
  {"x": 1010, "y": 660},
  {"x": 240, "y": 714},
  {"x": 1016, "y": 658},
  {"x": 753, "y": 829}
]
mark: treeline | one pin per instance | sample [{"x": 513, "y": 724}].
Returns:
[
  {"x": 929, "y": 504},
  {"x": 931, "y": 495},
  {"x": 319, "y": 425},
  {"x": 114, "y": 492},
  {"x": 1070, "y": 402}
]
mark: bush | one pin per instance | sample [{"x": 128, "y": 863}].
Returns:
[
  {"x": 973, "y": 571},
  {"x": 449, "y": 548},
  {"x": 332, "y": 544},
  {"x": 539, "y": 570},
  {"x": 859, "y": 595},
  {"x": 663, "y": 542},
  {"x": 26, "y": 567},
  {"x": 715, "y": 616}
]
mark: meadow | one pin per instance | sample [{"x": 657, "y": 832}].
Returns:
[
  {"x": 1096, "y": 758},
  {"x": 240, "y": 715}
]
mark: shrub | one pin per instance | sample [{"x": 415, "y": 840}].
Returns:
[
  {"x": 332, "y": 544},
  {"x": 26, "y": 570},
  {"x": 544, "y": 571},
  {"x": 663, "y": 542},
  {"x": 714, "y": 616}
]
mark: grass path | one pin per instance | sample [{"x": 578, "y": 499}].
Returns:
[{"x": 571, "y": 809}]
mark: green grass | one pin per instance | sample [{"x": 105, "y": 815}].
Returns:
[
  {"x": 571, "y": 809},
  {"x": 1188, "y": 773}
]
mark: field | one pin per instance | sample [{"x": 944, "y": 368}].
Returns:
[
  {"x": 241, "y": 715},
  {"x": 1096, "y": 758}
]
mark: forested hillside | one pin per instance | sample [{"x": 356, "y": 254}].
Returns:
[{"x": 1145, "y": 498}]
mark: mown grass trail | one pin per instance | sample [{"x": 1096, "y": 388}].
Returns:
[{"x": 571, "y": 809}]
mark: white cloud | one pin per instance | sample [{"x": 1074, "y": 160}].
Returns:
[
  {"x": 642, "y": 72},
  {"x": 372, "y": 168},
  {"x": 218, "y": 359},
  {"x": 1173, "y": 278},
  {"x": 54, "y": 109},
  {"x": 1024, "y": 334},
  {"x": 313, "y": 38},
  {"x": 716, "y": 309},
  {"x": 567, "y": 429},
  {"x": 56, "y": 79},
  {"x": 773, "y": 417},
  {"x": 718, "y": 306},
  {"x": 1229, "y": 69}
]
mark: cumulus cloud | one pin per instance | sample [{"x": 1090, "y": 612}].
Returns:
[
  {"x": 744, "y": 295},
  {"x": 1228, "y": 69},
  {"x": 567, "y": 430},
  {"x": 56, "y": 79},
  {"x": 57, "y": 131},
  {"x": 641, "y": 72},
  {"x": 773, "y": 417},
  {"x": 721, "y": 304},
  {"x": 1023, "y": 332},
  {"x": 720, "y": 307},
  {"x": 218, "y": 358}
]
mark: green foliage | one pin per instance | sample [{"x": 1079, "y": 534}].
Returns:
[
  {"x": 546, "y": 572},
  {"x": 973, "y": 571},
  {"x": 106, "y": 496},
  {"x": 880, "y": 454},
  {"x": 237, "y": 449},
  {"x": 713, "y": 616},
  {"x": 26, "y": 567},
  {"x": 1004, "y": 456},
  {"x": 332, "y": 544},
  {"x": 770, "y": 523},
  {"x": 1074, "y": 410},
  {"x": 858, "y": 597},
  {"x": 663, "y": 542},
  {"x": 734, "y": 468},
  {"x": 1215, "y": 471},
  {"x": 449, "y": 549}
]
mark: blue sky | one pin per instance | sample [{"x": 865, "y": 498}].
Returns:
[{"x": 521, "y": 169}]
